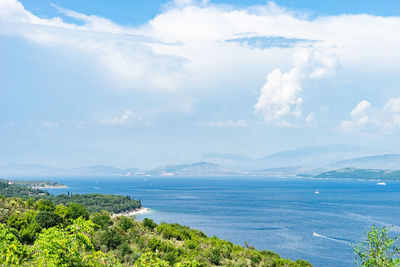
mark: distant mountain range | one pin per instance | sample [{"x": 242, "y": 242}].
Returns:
[
  {"x": 307, "y": 161},
  {"x": 310, "y": 157},
  {"x": 198, "y": 168},
  {"x": 386, "y": 161}
]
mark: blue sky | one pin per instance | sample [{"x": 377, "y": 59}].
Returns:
[{"x": 145, "y": 83}]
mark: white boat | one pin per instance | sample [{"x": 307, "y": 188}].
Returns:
[
  {"x": 381, "y": 183},
  {"x": 316, "y": 191}
]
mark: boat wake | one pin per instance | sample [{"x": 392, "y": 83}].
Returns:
[{"x": 335, "y": 239}]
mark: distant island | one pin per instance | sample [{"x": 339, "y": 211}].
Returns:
[
  {"x": 93, "y": 202},
  {"x": 364, "y": 174},
  {"x": 38, "y": 184}
]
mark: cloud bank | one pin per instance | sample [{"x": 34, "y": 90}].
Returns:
[
  {"x": 368, "y": 119},
  {"x": 198, "y": 49}
]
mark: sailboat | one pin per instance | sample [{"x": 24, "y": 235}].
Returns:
[{"x": 316, "y": 191}]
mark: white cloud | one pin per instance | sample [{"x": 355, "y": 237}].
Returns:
[
  {"x": 50, "y": 124},
  {"x": 310, "y": 117},
  {"x": 367, "y": 119},
  {"x": 393, "y": 105},
  {"x": 280, "y": 99},
  {"x": 122, "y": 54},
  {"x": 185, "y": 49},
  {"x": 228, "y": 123},
  {"x": 360, "y": 108},
  {"x": 127, "y": 118}
]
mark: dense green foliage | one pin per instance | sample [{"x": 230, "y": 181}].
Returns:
[
  {"x": 9, "y": 189},
  {"x": 379, "y": 249},
  {"x": 92, "y": 202},
  {"x": 39, "y": 232},
  {"x": 99, "y": 202},
  {"x": 37, "y": 184}
]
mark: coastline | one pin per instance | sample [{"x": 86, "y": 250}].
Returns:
[
  {"x": 49, "y": 187},
  {"x": 132, "y": 212}
]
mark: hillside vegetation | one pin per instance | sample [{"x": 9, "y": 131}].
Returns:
[
  {"x": 38, "y": 232},
  {"x": 93, "y": 202}
]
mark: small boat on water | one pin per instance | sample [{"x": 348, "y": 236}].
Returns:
[
  {"x": 316, "y": 191},
  {"x": 381, "y": 183}
]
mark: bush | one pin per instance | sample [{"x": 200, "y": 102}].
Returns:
[
  {"x": 28, "y": 234},
  {"x": 124, "y": 249},
  {"x": 111, "y": 238},
  {"x": 149, "y": 259},
  {"x": 215, "y": 256},
  {"x": 76, "y": 210},
  {"x": 45, "y": 205},
  {"x": 149, "y": 223},
  {"x": 102, "y": 219},
  {"x": 379, "y": 249},
  {"x": 126, "y": 223},
  {"x": 47, "y": 219}
]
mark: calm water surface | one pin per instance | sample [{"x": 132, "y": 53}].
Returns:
[{"x": 282, "y": 215}]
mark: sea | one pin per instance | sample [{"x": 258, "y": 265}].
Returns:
[{"x": 284, "y": 215}]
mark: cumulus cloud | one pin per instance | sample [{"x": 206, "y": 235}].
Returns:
[
  {"x": 280, "y": 96},
  {"x": 127, "y": 118},
  {"x": 228, "y": 123},
  {"x": 360, "y": 108},
  {"x": 366, "y": 118},
  {"x": 188, "y": 48}
]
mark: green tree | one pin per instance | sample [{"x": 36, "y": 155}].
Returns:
[
  {"x": 12, "y": 252},
  {"x": 111, "y": 238},
  {"x": 149, "y": 223},
  {"x": 379, "y": 249},
  {"x": 126, "y": 223},
  {"x": 61, "y": 210},
  {"x": 149, "y": 259},
  {"x": 47, "y": 219},
  {"x": 69, "y": 246},
  {"x": 28, "y": 234},
  {"x": 76, "y": 210},
  {"x": 45, "y": 205},
  {"x": 102, "y": 219}
]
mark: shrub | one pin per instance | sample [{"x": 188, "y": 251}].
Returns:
[
  {"x": 111, "y": 238},
  {"x": 102, "y": 219},
  {"x": 12, "y": 252},
  {"x": 47, "y": 219},
  {"x": 76, "y": 210},
  {"x": 28, "y": 234},
  {"x": 126, "y": 223},
  {"x": 149, "y": 259},
  {"x": 45, "y": 205},
  {"x": 379, "y": 249},
  {"x": 149, "y": 223}
]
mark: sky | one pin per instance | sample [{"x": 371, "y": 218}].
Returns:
[{"x": 143, "y": 83}]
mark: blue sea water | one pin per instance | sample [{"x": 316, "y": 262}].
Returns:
[{"x": 282, "y": 215}]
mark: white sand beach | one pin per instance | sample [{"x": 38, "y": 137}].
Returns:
[{"x": 132, "y": 212}]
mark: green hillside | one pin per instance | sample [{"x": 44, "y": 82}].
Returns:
[
  {"x": 93, "y": 202},
  {"x": 39, "y": 233}
]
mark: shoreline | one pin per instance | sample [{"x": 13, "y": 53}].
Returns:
[
  {"x": 132, "y": 212},
  {"x": 50, "y": 187}
]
